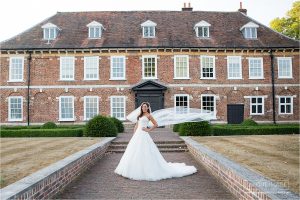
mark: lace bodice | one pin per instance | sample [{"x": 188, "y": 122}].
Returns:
[{"x": 143, "y": 122}]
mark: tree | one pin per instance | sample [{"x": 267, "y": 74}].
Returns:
[{"x": 290, "y": 24}]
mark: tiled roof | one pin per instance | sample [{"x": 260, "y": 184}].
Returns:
[{"x": 174, "y": 29}]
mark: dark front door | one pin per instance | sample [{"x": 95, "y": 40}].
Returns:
[
  {"x": 155, "y": 100},
  {"x": 235, "y": 113}
]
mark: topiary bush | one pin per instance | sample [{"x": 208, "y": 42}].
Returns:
[
  {"x": 249, "y": 122},
  {"x": 49, "y": 125},
  {"x": 202, "y": 128},
  {"x": 118, "y": 123},
  {"x": 176, "y": 127},
  {"x": 100, "y": 126}
]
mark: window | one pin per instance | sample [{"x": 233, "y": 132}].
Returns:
[
  {"x": 181, "y": 65},
  {"x": 181, "y": 103},
  {"x": 66, "y": 108},
  {"x": 285, "y": 105},
  {"x": 117, "y": 68},
  {"x": 256, "y": 105},
  {"x": 149, "y": 67},
  {"x": 15, "y": 108},
  {"x": 91, "y": 68},
  {"x": 284, "y": 67},
  {"x": 202, "y": 29},
  {"x": 249, "y": 30},
  {"x": 67, "y": 68},
  {"x": 234, "y": 67},
  {"x": 256, "y": 68},
  {"x": 95, "y": 30},
  {"x": 16, "y": 68},
  {"x": 207, "y": 64},
  {"x": 148, "y": 29},
  {"x": 117, "y": 107},
  {"x": 91, "y": 107},
  {"x": 208, "y": 103},
  {"x": 50, "y": 31}
]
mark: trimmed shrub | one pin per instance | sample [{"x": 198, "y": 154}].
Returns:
[
  {"x": 42, "y": 133},
  {"x": 49, "y": 125},
  {"x": 176, "y": 127},
  {"x": 100, "y": 126},
  {"x": 202, "y": 128},
  {"x": 249, "y": 122},
  {"x": 118, "y": 123}
]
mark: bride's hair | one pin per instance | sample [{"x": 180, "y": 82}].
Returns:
[{"x": 148, "y": 110}]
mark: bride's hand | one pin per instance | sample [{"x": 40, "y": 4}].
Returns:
[{"x": 145, "y": 129}]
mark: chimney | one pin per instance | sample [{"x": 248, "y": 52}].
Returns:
[
  {"x": 189, "y": 8},
  {"x": 242, "y": 10}
]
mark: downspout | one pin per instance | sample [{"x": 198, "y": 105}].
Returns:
[
  {"x": 28, "y": 89},
  {"x": 273, "y": 86}
]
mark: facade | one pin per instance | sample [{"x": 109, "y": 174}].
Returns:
[{"x": 75, "y": 65}]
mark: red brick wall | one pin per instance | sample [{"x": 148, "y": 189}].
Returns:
[{"x": 45, "y": 72}]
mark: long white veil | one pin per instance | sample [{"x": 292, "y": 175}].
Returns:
[{"x": 174, "y": 115}]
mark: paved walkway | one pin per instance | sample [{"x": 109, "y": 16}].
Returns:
[{"x": 100, "y": 182}]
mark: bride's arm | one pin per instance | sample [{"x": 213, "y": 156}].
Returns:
[
  {"x": 135, "y": 127},
  {"x": 153, "y": 122}
]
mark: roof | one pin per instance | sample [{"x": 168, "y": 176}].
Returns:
[{"x": 174, "y": 29}]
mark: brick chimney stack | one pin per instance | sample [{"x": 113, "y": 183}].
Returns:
[
  {"x": 242, "y": 9},
  {"x": 189, "y": 8}
]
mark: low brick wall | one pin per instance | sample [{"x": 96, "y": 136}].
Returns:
[
  {"x": 47, "y": 182},
  {"x": 242, "y": 182}
]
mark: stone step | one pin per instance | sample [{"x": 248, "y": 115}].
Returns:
[
  {"x": 161, "y": 150},
  {"x": 162, "y": 146},
  {"x": 156, "y": 142}
]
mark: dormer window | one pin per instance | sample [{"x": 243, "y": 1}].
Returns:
[
  {"x": 249, "y": 30},
  {"x": 202, "y": 29},
  {"x": 50, "y": 31},
  {"x": 95, "y": 29},
  {"x": 148, "y": 29}
]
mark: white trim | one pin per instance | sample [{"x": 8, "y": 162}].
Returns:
[
  {"x": 85, "y": 66},
  {"x": 9, "y": 111},
  {"x": 240, "y": 68},
  {"x": 143, "y": 66},
  {"x": 94, "y": 30},
  {"x": 263, "y": 104},
  {"x": 202, "y": 23},
  {"x": 292, "y": 105},
  {"x": 124, "y": 68},
  {"x": 201, "y": 67},
  {"x": 188, "y": 68},
  {"x": 60, "y": 67},
  {"x": 182, "y": 95},
  {"x": 84, "y": 106},
  {"x": 148, "y": 23},
  {"x": 291, "y": 67},
  {"x": 215, "y": 102},
  {"x": 124, "y": 102},
  {"x": 149, "y": 36},
  {"x": 59, "y": 112},
  {"x": 94, "y": 24},
  {"x": 10, "y": 68},
  {"x": 49, "y": 25},
  {"x": 202, "y": 36},
  {"x": 262, "y": 67}
]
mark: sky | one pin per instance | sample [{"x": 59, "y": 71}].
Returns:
[{"x": 17, "y": 16}]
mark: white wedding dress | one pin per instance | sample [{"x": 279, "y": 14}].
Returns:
[{"x": 143, "y": 161}]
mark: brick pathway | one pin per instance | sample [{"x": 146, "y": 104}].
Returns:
[{"x": 100, "y": 182}]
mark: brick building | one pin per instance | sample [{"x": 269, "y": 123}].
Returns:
[{"x": 74, "y": 65}]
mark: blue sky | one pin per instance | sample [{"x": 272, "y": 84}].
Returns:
[{"x": 17, "y": 16}]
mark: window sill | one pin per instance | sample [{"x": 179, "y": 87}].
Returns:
[
  {"x": 285, "y": 113},
  {"x": 235, "y": 79},
  {"x": 115, "y": 79},
  {"x": 208, "y": 78},
  {"x": 16, "y": 81},
  {"x": 91, "y": 79},
  {"x": 149, "y": 78},
  {"x": 15, "y": 120},
  {"x": 257, "y": 114},
  {"x": 285, "y": 77},
  {"x": 67, "y": 80},
  {"x": 261, "y": 78},
  {"x": 66, "y": 120},
  {"x": 181, "y": 78}
]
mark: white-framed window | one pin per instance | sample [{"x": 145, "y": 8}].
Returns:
[
  {"x": 15, "y": 108},
  {"x": 285, "y": 105},
  {"x": 50, "y": 31},
  {"x": 256, "y": 68},
  {"x": 257, "y": 105},
  {"x": 207, "y": 64},
  {"x": 181, "y": 67},
  {"x": 203, "y": 31},
  {"x": 149, "y": 31},
  {"x": 66, "y": 108},
  {"x": 67, "y": 65},
  {"x": 182, "y": 103},
  {"x": 250, "y": 32},
  {"x": 16, "y": 69},
  {"x": 118, "y": 107},
  {"x": 234, "y": 67},
  {"x": 208, "y": 103},
  {"x": 91, "y": 107},
  {"x": 117, "y": 68},
  {"x": 95, "y": 32},
  {"x": 91, "y": 68},
  {"x": 284, "y": 67},
  {"x": 149, "y": 67}
]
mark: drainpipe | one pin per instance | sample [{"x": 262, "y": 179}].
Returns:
[
  {"x": 273, "y": 86},
  {"x": 28, "y": 89}
]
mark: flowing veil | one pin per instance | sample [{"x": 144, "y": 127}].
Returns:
[{"x": 174, "y": 115}]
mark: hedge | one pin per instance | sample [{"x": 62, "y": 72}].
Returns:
[
  {"x": 42, "y": 133},
  {"x": 39, "y": 126}
]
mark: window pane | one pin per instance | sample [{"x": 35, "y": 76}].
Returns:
[
  {"x": 91, "y": 107},
  {"x": 149, "y": 67},
  {"x": 118, "y": 107},
  {"x": 67, "y": 68},
  {"x": 66, "y": 105},
  {"x": 234, "y": 67},
  {"x": 15, "y": 104},
  {"x": 118, "y": 67},
  {"x": 181, "y": 66},
  {"x": 16, "y": 69},
  {"x": 91, "y": 64}
]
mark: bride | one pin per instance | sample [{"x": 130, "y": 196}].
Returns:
[{"x": 142, "y": 159}]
